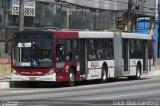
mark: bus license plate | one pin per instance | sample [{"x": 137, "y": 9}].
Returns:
[{"x": 32, "y": 78}]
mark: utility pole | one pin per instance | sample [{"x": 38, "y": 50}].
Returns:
[
  {"x": 129, "y": 16},
  {"x": 21, "y": 15}
]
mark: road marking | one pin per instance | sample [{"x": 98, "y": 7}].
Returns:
[
  {"x": 75, "y": 92},
  {"x": 76, "y": 103},
  {"x": 111, "y": 97}
]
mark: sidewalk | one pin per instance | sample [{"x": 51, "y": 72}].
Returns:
[
  {"x": 154, "y": 72},
  {"x": 5, "y": 78},
  {"x": 4, "y": 81}
]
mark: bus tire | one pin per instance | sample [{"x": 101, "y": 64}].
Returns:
[
  {"x": 71, "y": 81},
  {"x": 138, "y": 73},
  {"x": 104, "y": 75}
]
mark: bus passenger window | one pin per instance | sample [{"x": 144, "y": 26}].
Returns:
[
  {"x": 68, "y": 56},
  {"x": 91, "y": 54},
  {"x": 68, "y": 50},
  {"x": 107, "y": 54},
  {"x": 100, "y": 54},
  {"x": 108, "y": 49},
  {"x": 132, "y": 49},
  {"x": 76, "y": 56}
]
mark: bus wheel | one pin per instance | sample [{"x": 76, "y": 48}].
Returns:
[
  {"x": 104, "y": 75},
  {"x": 71, "y": 81},
  {"x": 138, "y": 73}
]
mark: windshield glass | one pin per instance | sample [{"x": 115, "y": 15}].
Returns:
[{"x": 33, "y": 53}]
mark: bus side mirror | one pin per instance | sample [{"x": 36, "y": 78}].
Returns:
[{"x": 8, "y": 46}]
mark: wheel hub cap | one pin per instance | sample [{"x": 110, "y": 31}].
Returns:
[
  {"x": 71, "y": 77},
  {"x": 104, "y": 75}
]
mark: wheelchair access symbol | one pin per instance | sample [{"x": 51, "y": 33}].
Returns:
[{"x": 35, "y": 62}]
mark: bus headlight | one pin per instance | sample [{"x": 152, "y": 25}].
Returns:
[
  {"x": 14, "y": 71},
  {"x": 51, "y": 71}
]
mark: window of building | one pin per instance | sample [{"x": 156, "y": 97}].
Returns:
[
  {"x": 48, "y": 15},
  {"x": 0, "y": 4},
  {"x": 6, "y": 4},
  {"x": 13, "y": 20}
]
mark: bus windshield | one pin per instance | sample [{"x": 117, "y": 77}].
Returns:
[{"x": 38, "y": 53}]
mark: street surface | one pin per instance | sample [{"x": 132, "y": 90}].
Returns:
[{"x": 89, "y": 93}]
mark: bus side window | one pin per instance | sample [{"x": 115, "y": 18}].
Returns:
[
  {"x": 75, "y": 50},
  {"x": 132, "y": 49},
  {"x": 92, "y": 53},
  {"x": 139, "y": 50},
  {"x": 99, "y": 48},
  {"x": 111, "y": 48},
  {"x": 108, "y": 49},
  {"x": 68, "y": 50}
]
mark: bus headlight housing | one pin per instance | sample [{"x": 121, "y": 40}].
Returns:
[
  {"x": 50, "y": 72},
  {"x": 14, "y": 71}
]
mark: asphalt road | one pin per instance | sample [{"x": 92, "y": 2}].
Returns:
[{"x": 118, "y": 92}]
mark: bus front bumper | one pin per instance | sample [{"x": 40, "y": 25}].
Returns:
[{"x": 15, "y": 77}]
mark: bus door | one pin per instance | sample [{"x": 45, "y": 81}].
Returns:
[
  {"x": 83, "y": 57},
  {"x": 126, "y": 55},
  {"x": 145, "y": 57}
]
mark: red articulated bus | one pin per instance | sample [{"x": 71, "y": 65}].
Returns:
[{"x": 70, "y": 56}]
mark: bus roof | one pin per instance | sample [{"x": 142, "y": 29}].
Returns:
[
  {"x": 33, "y": 31},
  {"x": 109, "y": 34},
  {"x": 92, "y": 34},
  {"x": 95, "y": 34},
  {"x": 136, "y": 36}
]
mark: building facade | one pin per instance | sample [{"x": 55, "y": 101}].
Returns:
[{"x": 55, "y": 14}]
